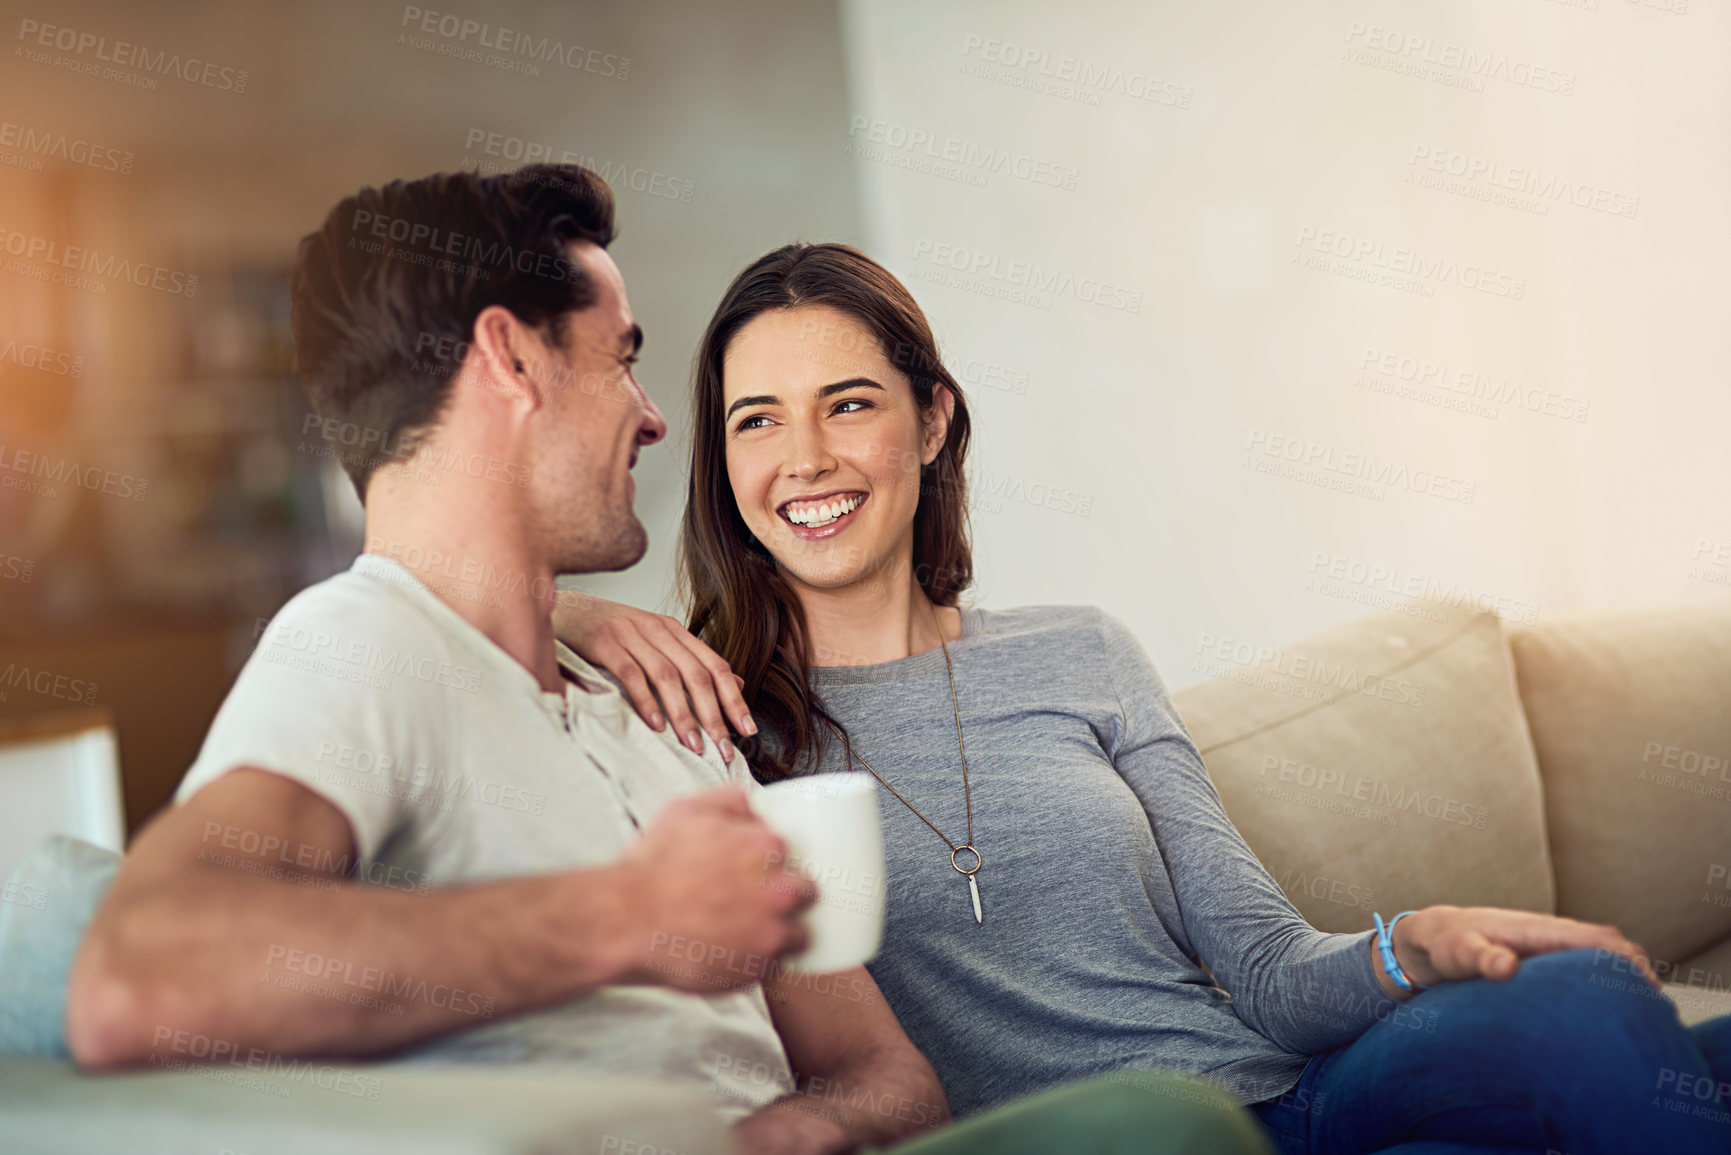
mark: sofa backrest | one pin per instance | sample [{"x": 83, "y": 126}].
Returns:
[
  {"x": 1382, "y": 765},
  {"x": 1630, "y": 715}
]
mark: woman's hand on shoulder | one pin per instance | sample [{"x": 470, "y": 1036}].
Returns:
[{"x": 661, "y": 665}]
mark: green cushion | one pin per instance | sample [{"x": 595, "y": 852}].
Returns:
[{"x": 303, "y": 1107}]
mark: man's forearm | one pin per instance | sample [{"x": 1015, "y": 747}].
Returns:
[{"x": 334, "y": 967}]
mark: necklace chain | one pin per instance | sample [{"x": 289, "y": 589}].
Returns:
[{"x": 967, "y": 790}]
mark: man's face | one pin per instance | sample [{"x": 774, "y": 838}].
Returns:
[{"x": 596, "y": 417}]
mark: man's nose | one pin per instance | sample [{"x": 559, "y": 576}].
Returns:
[{"x": 654, "y": 425}]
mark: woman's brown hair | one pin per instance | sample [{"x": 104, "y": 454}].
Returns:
[{"x": 740, "y": 604}]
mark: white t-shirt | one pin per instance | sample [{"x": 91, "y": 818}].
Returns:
[{"x": 452, "y": 765}]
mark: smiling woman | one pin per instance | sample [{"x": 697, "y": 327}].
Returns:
[
  {"x": 831, "y": 439},
  {"x": 1058, "y": 862}
]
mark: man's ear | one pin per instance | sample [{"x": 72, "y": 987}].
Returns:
[
  {"x": 506, "y": 356},
  {"x": 937, "y": 419}
]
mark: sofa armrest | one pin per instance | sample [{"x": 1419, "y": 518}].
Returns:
[
  {"x": 1698, "y": 1004},
  {"x": 48, "y": 1107}
]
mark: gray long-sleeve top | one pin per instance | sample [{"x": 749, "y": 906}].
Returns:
[{"x": 1109, "y": 869}]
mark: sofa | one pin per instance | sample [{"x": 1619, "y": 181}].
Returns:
[{"x": 1577, "y": 766}]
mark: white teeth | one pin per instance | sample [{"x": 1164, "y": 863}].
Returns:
[{"x": 823, "y": 513}]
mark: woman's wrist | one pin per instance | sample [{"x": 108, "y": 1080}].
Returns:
[
  {"x": 1410, "y": 961},
  {"x": 1414, "y": 958}
]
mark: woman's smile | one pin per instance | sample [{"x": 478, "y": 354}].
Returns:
[{"x": 822, "y": 515}]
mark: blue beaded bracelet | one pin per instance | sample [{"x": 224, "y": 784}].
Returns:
[{"x": 1385, "y": 944}]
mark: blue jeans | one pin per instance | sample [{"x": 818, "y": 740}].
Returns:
[{"x": 1575, "y": 1054}]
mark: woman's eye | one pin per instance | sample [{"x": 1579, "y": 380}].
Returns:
[
  {"x": 852, "y": 401},
  {"x": 748, "y": 423}
]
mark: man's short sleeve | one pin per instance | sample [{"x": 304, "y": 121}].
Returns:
[{"x": 343, "y": 685}]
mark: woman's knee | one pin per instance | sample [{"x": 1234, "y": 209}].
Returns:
[{"x": 1567, "y": 992}]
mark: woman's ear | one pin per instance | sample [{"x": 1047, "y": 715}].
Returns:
[{"x": 937, "y": 419}]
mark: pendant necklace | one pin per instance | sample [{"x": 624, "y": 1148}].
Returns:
[{"x": 967, "y": 847}]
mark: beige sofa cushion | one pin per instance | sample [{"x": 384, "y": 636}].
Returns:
[
  {"x": 1631, "y": 719},
  {"x": 1701, "y": 985},
  {"x": 1381, "y": 765}
]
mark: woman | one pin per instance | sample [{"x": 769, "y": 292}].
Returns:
[{"x": 1060, "y": 867}]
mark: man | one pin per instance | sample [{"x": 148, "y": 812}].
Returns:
[{"x": 415, "y": 798}]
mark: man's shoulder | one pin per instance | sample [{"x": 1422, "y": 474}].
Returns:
[
  {"x": 370, "y": 629},
  {"x": 364, "y": 603}
]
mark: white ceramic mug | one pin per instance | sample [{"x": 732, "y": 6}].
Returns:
[{"x": 834, "y": 837}]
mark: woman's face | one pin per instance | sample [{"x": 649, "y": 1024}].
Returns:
[{"x": 825, "y": 441}]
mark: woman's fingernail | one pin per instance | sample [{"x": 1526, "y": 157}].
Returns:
[
  {"x": 749, "y": 725},
  {"x": 726, "y": 750},
  {"x": 695, "y": 741},
  {"x": 656, "y": 721}
]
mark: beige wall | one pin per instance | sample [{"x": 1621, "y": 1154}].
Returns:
[
  {"x": 1208, "y": 166},
  {"x": 730, "y": 120}
]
